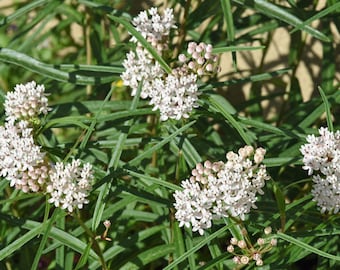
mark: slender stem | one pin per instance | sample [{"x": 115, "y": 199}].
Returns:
[
  {"x": 94, "y": 242},
  {"x": 88, "y": 46},
  {"x": 182, "y": 31}
]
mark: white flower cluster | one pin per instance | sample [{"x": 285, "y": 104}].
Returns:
[
  {"x": 322, "y": 154},
  {"x": 22, "y": 161},
  {"x": 217, "y": 190},
  {"x": 154, "y": 28},
  {"x": 141, "y": 67},
  {"x": 26, "y": 101},
  {"x": 175, "y": 97},
  {"x": 20, "y": 156},
  {"x": 70, "y": 184},
  {"x": 176, "y": 94}
]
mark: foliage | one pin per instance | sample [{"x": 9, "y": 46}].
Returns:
[{"x": 76, "y": 49}]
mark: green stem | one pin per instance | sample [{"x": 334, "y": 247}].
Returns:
[{"x": 94, "y": 242}]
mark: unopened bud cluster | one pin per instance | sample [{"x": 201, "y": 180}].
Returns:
[
  {"x": 244, "y": 251},
  {"x": 27, "y": 101},
  {"x": 175, "y": 94},
  {"x": 200, "y": 59},
  {"x": 24, "y": 163},
  {"x": 203, "y": 172},
  {"x": 321, "y": 158},
  {"x": 219, "y": 189}
]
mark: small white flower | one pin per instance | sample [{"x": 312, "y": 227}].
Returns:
[
  {"x": 175, "y": 97},
  {"x": 26, "y": 101},
  {"x": 154, "y": 27},
  {"x": 70, "y": 184},
  {"x": 20, "y": 157},
  {"x": 322, "y": 154},
  {"x": 217, "y": 190},
  {"x": 140, "y": 67},
  {"x": 326, "y": 192}
]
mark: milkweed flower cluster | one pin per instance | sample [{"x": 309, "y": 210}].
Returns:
[
  {"x": 154, "y": 27},
  {"x": 199, "y": 59},
  {"x": 217, "y": 190},
  {"x": 175, "y": 94},
  {"x": 24, "y": 163},
  {"x": 26, "y": 102},
  {"x": 20, "y": 156},
  {"x": 70, "y": 184},
  {"x": 249, "y": 252},
  {"x": 321, "y": 158}
]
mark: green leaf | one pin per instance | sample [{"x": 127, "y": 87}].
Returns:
[
  {"x": 202, "y": 243},
  {"x": 125, "y": 114},
  {"x": 62, "y": 237},
  {"x": 236, "y": 48},
  {"x": 221, "y": 105},
  {"x": 327, "y": 110},
  {"x": 27, "y": 62},
  {"x": 60, "y": 251},
  {"x": 143, "y": 41},
  {"x": 316, "y": 113},
  {"x": 84, "y": 257},
  {"x": 148, "y": 256},
  {"x": 252, "y": 78},
  {"x": 17, "y": 244},
  {"x": 303, "y": 245},
  {"x": 100, "y": 205},
  {"x": 44, "y": 238},
  {"x": 159, "y": 145},
  {"x": 229, "y": 22},
  {"x": 113, "y": 164},
  {"x": 22, "y": 11},
  {"x": 228, "y": 16},
  {"x": 317, "y": 16},
  {"x": 280, "y": 14},
  {"x": 178, "y": 240},
  {"x": 118, "y": 248},
  {"x": 280, "y": 161},
  {"x": 281, "y": 204},
  {"x": 184, "y": 147},
  {"x": 264, "y": 127},
  {"x": 153, "y": 180}
]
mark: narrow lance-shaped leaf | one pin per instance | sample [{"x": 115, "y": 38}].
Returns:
[
  {"x": 24, "y": 10},
  {"x": 228, "y": 16},
  {"x": 17, "y": 244},
  {"x": 317, "y": 16},
  {"x": 327, "y": 109},
  {"x": 196, "y": 247},
  {"x": 113, "y": 163},
  {"x": 310, "y": 248},
  {"x": 275, "y": 11},
  {"x": 154, "y": 148},
  {"x": 143, "y": 41},
  {"x": 27, "y": 62}
]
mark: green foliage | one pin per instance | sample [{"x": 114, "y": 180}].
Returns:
[{"x": 76, "y": 49}]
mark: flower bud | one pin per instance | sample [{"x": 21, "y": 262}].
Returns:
[
  {"x": 242, "y": 244},
  {"x": 244, "y": 260}
]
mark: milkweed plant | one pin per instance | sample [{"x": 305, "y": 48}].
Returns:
[{"x": 156, "y": 135}]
